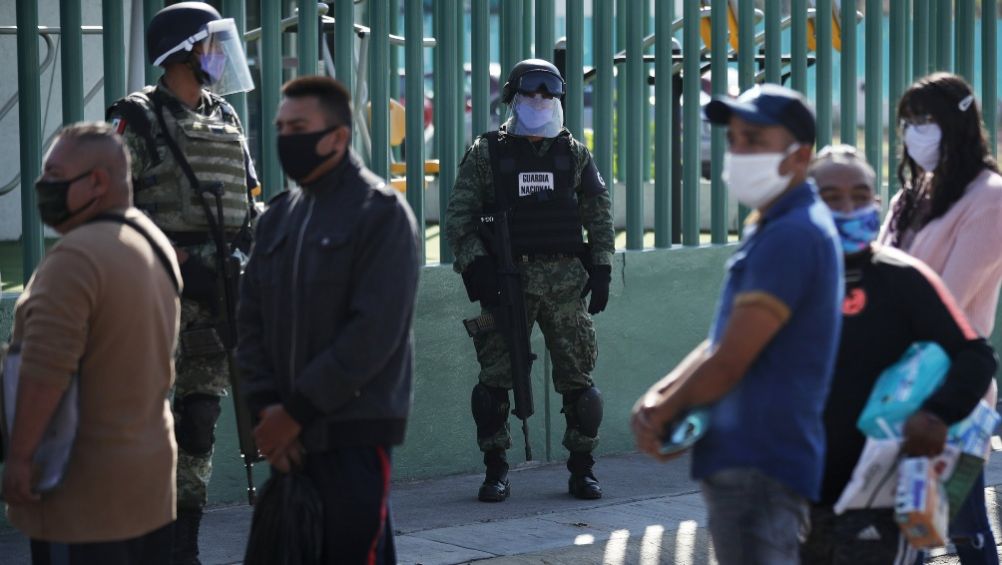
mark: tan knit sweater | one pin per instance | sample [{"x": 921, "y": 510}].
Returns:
[
  {"x": 964, "y": 246},
  {"x": 101, "y": 302}
]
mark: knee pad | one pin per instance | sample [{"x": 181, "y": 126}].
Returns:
[
  {"x": 490, "y": 409},
  {"x": 583, "y": 410},
  {"x": 195, "y": 424}
]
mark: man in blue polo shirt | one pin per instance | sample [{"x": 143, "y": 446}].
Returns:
[{"x": 764, "y": 371}]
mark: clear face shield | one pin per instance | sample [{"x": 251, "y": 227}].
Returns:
[
  {"x": 534, "y": 115},
  {"x": 221, "y": 57}
]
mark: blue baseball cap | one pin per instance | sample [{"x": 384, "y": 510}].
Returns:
[{"x": 767, "y": 105}]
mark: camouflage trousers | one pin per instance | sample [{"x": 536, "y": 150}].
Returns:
[
  {"x": 553, "y": 300},
  {"x": 201, "y": 374}
]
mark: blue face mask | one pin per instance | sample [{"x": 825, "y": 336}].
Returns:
[{"x": 857, "y": 228}]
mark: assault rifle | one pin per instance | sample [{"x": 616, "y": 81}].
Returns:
[{"x": 508, "y": 317}]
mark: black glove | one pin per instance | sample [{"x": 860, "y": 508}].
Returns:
[
  {"x": 480, "y": 279},
  {"x": 199, "y": 280},
  {"x": 599, "y": 278}
]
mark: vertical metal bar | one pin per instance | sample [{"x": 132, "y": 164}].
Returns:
[
  {"x": 288, "y": 39},
  {"x": 944, "y": 58},
  {"x": 920, "y": 37},
  {"x": 414, "y": 60},
  {"x": 574, "y": 101},
  {"x": 746, "y": 45},
  {"x": 306, "y": 39},
  {"x": 459, "y": 109},
  {"x": 633, "y": 128},
  {"x": 620, "y": 147},
  {"x": 379, "y": 87},
  {"x": 798, "y": 45},
  {"x": 150, "y": 8},
  {"x": 344, "y": 43},
  {"x": 511, "y": 34},
  {"x": 907, "y": 43},
  {"x": 847, "y": 98},
  {"x": 823, "y": 82},
  {"x": 874, "y": 116},
  {"x": 71, "y": 58},
  {"x": 773, "y": 41},
  {"x": 545, "y": 22},
  {"x": 989, "y": 69},
  {"x": 898, "y": 51},
  {"x": 646, "y": 109},
  {"x": 445, "y": 99},
  {"x": 480, "y": 60},
  {"x": 965, "y": 39},
  {"x": 113, "y": 39},
  {"x": 718, "y": 85},
  {"x": 525, "y": 51},
  {"x": 237, "y": 9},
  {"x": 933, "y": 46},
  {"x": 664, "y": 13},
  {"x": 394, "y": 50},
  {"x": 691, "y": 123},
  {"x": 29, "y": 113},
  {"x": 602, "y": 107},
  {"x": 270, "y": 51}
]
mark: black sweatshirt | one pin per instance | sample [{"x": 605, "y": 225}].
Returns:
[{"x": 892, "y": 300}]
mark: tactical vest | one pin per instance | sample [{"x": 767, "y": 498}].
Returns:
[
  {"x": 539, "y": 191},
  {"x": 213, "y": 146}
]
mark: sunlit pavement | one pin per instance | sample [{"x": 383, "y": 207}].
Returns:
[{"x": 651, "y": 513}]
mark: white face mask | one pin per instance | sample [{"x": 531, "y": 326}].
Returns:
[
  {"x": 754, "y": 178},
  {"x": 536, "y": 116},
  {"x": 922, "y": 143}
]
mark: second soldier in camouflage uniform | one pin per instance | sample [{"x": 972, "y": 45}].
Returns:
[
  {"x": 550, "y": 183},
  {"x": 202, "y": 58}
]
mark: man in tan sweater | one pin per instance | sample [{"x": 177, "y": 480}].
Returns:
[{"x": 102, "y": 307}]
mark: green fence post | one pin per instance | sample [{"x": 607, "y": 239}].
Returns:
[
  {"x": 847, "y": 98},
  {"x": 633, "y": 128},
  {"x": 664, "y": 13},
  {"x": 446, "y": 67},
  {"x": 718, "y": 85},
  {"x": 414, "y": 84},
  {"x": 823, "y": 85},
  {"x": 944, "y": 55},
  {"x": 898, "y": 64},
  {"x": 525, "y": 51},
  {"x": 459, "y": 108},
  {"x": 113, "y": 39},
  {"x": 798, "y": 45},
  {"x": 620, "y": 147},
  {"x": 574, "y": 101},
  {"x": 989, "y": 69},
  {"x": 71, "y": 58},
  {"x": 773, "y": 41},
  {"x": 236, "y": 9},
  {"x": 270, "y": 53},
  {"x": 480, "y": 61},
  {"x": 646, "y": 109},
  {"x": 545, "y": 25},
  {"x": 306, "y": 37},
  {"x": 395, "y": 50},
  {"x": 874, "y": 117},
  {"x": 920, "y": 38},
  {"x": 933, "y": 46},
  {"x": 603, "y": 108},
  {"x": 965, "y": 40},
  {"x": 344, "y": 43},
  {"x": 746, "y": 65},
  {"x": 511, "y": 34},
  {"x": 691, "y": 126},
  {"x": 29, "y": 113},
  {"x": 150, "y": 8},
  {"x": 379, "y": 88}
]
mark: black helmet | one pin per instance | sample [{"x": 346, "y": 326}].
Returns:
[
  {"x": 173, "y": 25},
  {"x": 531, "y": 76}
]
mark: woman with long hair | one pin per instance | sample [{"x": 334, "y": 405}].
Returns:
[{"x": 948, "y": 214}]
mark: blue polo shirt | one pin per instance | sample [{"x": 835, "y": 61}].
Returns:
[{"x": 791, "y": 262}]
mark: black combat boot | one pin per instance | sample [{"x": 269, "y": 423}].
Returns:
[
  {"x": 496, "y": 487},
  {"x": 583, "y": 483},
  {"x": 185, "y": 551}
]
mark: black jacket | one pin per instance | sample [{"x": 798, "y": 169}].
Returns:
[{"x": 325, "y": 309}]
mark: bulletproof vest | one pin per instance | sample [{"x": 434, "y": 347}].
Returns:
[
  {"x": 213, "y": 147},
  {"x": 539, "y": 192}
]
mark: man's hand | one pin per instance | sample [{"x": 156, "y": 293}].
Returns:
[
  {"x": 925, "y": 435},
  {"x": 17, "y": 482},
  {"x": 651, "y": 414},
  {"x": 599, "y": 278},
  {"x": 291, "y": 458},
  {"x": 276, "y": 433}
]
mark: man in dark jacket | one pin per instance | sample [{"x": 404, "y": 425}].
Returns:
[{"x": 325, "y": 322}]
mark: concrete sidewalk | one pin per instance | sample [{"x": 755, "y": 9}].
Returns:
[{"x": 651, "y": 513}]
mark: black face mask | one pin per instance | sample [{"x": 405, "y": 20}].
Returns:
[
  {"x": 52, "y": 205},
  {"x": 298, "y": 153}
]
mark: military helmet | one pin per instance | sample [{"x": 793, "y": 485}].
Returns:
[
  {"x": 175, "y": 24},
  {"x": 531, "y": 76}
]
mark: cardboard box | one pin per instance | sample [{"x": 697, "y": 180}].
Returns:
[{"x": 921, "y": 506}]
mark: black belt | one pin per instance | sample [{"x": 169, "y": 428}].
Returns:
[
  {"x": 192, "y": 238},
  {"x": 530, "y": 257}
]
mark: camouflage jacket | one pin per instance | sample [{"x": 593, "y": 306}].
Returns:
[{"x": 474, "y": 190}]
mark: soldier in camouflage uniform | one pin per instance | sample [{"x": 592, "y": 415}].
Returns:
[
  {"x": 533, "y": 167},
  {"x": 202, "y": 58}
]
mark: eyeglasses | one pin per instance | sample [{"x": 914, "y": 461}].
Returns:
[
  {"x": 535, "y": 81},
  {"x": 922, "y": 120}
]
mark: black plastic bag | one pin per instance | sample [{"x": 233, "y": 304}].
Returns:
[{"x": 287, "y": 528}]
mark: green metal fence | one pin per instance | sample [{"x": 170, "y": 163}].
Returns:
[{"x": 752, "y": 41}]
